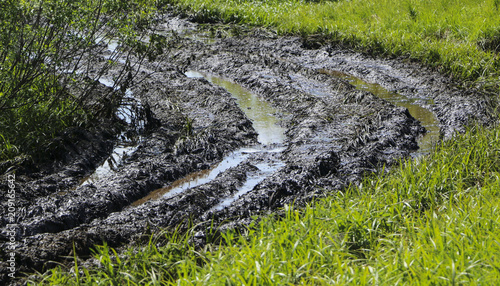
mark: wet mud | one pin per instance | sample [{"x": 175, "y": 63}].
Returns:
[{"x": 232, "y": 126}]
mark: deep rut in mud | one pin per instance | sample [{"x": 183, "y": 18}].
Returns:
[{"x": 313, "y": 121}]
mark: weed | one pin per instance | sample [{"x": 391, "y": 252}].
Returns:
[
  {"x": 7, "y": 150},
  {"x": 188, "y": 127},
  {"x": 412, "y": 12}
]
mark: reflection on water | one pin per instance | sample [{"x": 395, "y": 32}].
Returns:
[
  {"x": 112, "y": 163},
  {"x": 126, "y": 145},
  {"x": 189, "y": 181},
  {"x": 265, "y": 170},
  {"x": 202, "y": 177},
  {"x": 264, "y": 122},
  {"x": 198, "y": 178},
  {"x": 262, "y": 114},
  {"x": 426, "y": 117}
]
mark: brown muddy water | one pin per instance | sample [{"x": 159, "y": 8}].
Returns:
[
  {"x": 414, "y": 106},
  {"x": 261, "y": 113},
  {"x": 265, "y": 170},
  {"x": 202, "y": 177}
]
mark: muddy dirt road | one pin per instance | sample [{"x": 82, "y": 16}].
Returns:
[{"x": 233, "y": 124}]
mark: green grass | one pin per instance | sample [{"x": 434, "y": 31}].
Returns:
[
  {"x": 44, "y": 48},
  {"x": 457, "y": 37},
  {"x": 435, "y": 220},
  {"x": 29, "y": 130}
]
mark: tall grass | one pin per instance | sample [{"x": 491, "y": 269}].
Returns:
[
  {"x": 456, "y": 37},
  {"x": 435, "y": 220}
]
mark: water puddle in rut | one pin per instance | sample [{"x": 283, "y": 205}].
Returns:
[
  {"x": 270, "y": 135},
  {"x": 262, "y": 115},
  {"x": 127, "y": 141},
  {"x": 265, "y": 170},
  {"x": 426, "y": 117},
  {"x": 204, "y": 176}
]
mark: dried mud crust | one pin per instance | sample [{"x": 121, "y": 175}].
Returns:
[{"x": 335, "y": 134}]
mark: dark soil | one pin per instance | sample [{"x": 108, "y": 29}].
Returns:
[{"x": 335, "y": 134}]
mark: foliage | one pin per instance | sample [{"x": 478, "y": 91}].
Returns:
[{"x": 46, "y": 49}]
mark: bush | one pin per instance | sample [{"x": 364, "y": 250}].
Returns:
[{"x": 46, "y": 48}]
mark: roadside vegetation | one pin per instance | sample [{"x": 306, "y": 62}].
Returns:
[
  {"x": 47, "y": 49},
  {"x": 433, "y": 220}
]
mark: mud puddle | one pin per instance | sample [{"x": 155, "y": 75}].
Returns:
[
  {"x": 127, "y": 142},
  {"x": 271, "y": 137},
  {"x": 202, "y": 177},
  {"x": 264, "y": 170},
  {"x": 122, "y": 150},
  {"x": 263, "y": 116},
  {"x": 414, "y": 106}
]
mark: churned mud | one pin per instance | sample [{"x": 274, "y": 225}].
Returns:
[{"x": 234, "y": 124}]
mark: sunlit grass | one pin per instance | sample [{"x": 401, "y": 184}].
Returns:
[{"x": 456, "y": 37}]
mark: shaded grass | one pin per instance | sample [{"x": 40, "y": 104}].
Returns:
[
  {"x": 456, "y": 37},
  {"x": 434, "y": 220},
  {"x": 47, "y": 48},
  {"x": 30, "y": 129},
  {"x": 149, "y": 264}
]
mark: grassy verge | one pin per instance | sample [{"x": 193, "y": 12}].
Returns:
[
  {"x": 435, "y": 220},
  {"x": 461, "y": 38}
]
